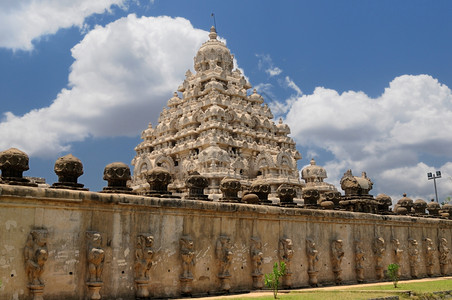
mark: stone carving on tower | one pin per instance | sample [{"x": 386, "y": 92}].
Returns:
[{"x": 214, "y": 127}]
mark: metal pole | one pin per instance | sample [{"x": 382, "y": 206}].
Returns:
[{"x": 436, "y": 193}]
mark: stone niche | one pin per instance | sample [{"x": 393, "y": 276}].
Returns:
[{"x": 242, "y": 231}]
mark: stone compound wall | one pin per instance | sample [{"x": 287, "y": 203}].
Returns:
[{"x": 94, "y": 245}]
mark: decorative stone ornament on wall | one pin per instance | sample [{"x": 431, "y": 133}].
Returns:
[
  {"x": 187, "y": 253},
  {"x": 443, "y": 256},
  {"x": 379, "y": 248},
  {"x": 230, "y": 187},
  {"x": 261, "y": 189},
  {"x": 13, "y": 163},
  {"x": 117, "y": 174},
  {"x": 359, "y": 260},
  {"x": 313, "y": 258},
  {"x": 398, "y": 253},
  {"x": 143, "y": 263},
  {"x": 35, "y": 257},
  {"x": 95, "y": 259},
  {"x": 337, "y": 253},
  {"x": 224, "y": 255},
  {"x": 413, "y": 255},
  {"x": 429, "y": 256},
  {"x": 286, "y": 193},
  {"x": 158, "y": 179},
  {"x": 257, "y": 257},
  {"x": 285, "y": 254},
  {"x": 68, "y": 168},
  {"x": 196, "y": 184}
]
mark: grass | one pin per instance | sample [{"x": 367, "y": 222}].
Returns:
[{"x": 416, "y": 289}]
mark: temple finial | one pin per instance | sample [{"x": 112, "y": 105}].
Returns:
[{"x": 213, "y": 33}]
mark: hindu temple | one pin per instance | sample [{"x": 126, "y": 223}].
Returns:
[{"x": 214, "y": 126}]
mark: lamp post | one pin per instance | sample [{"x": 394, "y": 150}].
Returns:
[{"x": 430, "y": 175}]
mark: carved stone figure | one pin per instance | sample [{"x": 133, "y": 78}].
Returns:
[
  {"x": 35, "y": 257},
  {"x": 429, "y": 254},
  {"x": 117, "y": 174},
  {"x": 311, "y": 197},
  {"x": 187, "y": 252},
  {"x": 337, "y": 253},
  {"x": 261, "y": 189},
  {"x": 404, "y": 206},
  {"x": 95, "y": 258},
  {"x": 13, "y": 163},
  {"x": 357, "y": 197},
  {"x": 398, "y": 252},
  {"x": 443, "y": 255},
  {"x": 433, "y": 208},
  {"x": 230, "y": 187},
  {"x": 196, "y": 184},
  {"x": 224, "y": 254},
  {"x": 379, "y": 248},
  {"x": 313, "y": 258},
  {"x": 158, "y": 179},
  {"x": 286, "y": 193},
  {"x": 257, "y": 257},
  {"x": 314, "y": 176},
  {"x": 413, "y": 254},
  {"x": 359, "y": 259},
  {"x": 143, "y": 263},
  {"x": 68, "y": 168},
  {"x": 419, "y": 207},
  {"x": 384, "y": 202},
  {"x": 286, "y": 253}
]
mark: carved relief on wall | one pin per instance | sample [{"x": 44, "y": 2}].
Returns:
[
  {"x": 413, "y": 255},
  {"x": 187, "y": 253},
  {"x": 337, "y": 253},
  {"x": 398, "y": 252},
  {"x": 95, "y": 259},
  {"x": 257, "y": 257},
  {"x": 429, "y": 255},
  {"x": 35, "y": 257},
  {"x": 224, "y": 254},
  {"x": 313, "y": 258},
  {"x": 286, "y": 253},
  {"x": 379, "y": 248},
  {"x": 143, "y": 263},
  {"x": 443, "y": 255},
  {"x": 359, "y": 261}
]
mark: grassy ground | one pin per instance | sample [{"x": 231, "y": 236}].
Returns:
[{"x": 409, "y": 290}]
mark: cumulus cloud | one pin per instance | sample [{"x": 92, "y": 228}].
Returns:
[
  {"x": 122, "y": 76},
  {"x": 23, "y": 21},
  {"x": 266, "y": 63},
  {"x": 389, "y": 136}
]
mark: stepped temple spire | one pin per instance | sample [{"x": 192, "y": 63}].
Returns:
[{"x": 212, "y": 126}]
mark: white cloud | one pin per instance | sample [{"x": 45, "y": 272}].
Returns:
[
  {"x": 293, "y": 86},
  {"x": 389, "y": 136},
  {"x": 273, "y": 71},
  {"x": 122, "y": 76},
  {"x": 266, "y": 63},
  {"x": 23, "y": 21}
]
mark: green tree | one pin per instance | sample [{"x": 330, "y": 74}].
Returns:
[
  {"x": 393, "y": 273},
  {"x": 272, "y": 279}
]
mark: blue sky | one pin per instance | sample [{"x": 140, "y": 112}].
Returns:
[{"x": 362, "y": 84}]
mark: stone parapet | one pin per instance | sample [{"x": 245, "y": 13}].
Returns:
[{"x": 66, "y": 216}]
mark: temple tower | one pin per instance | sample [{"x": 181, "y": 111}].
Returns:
[{"x": 212, "y": 126}]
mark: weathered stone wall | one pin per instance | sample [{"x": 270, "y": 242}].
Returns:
[{"x": 68, "y": 216}]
